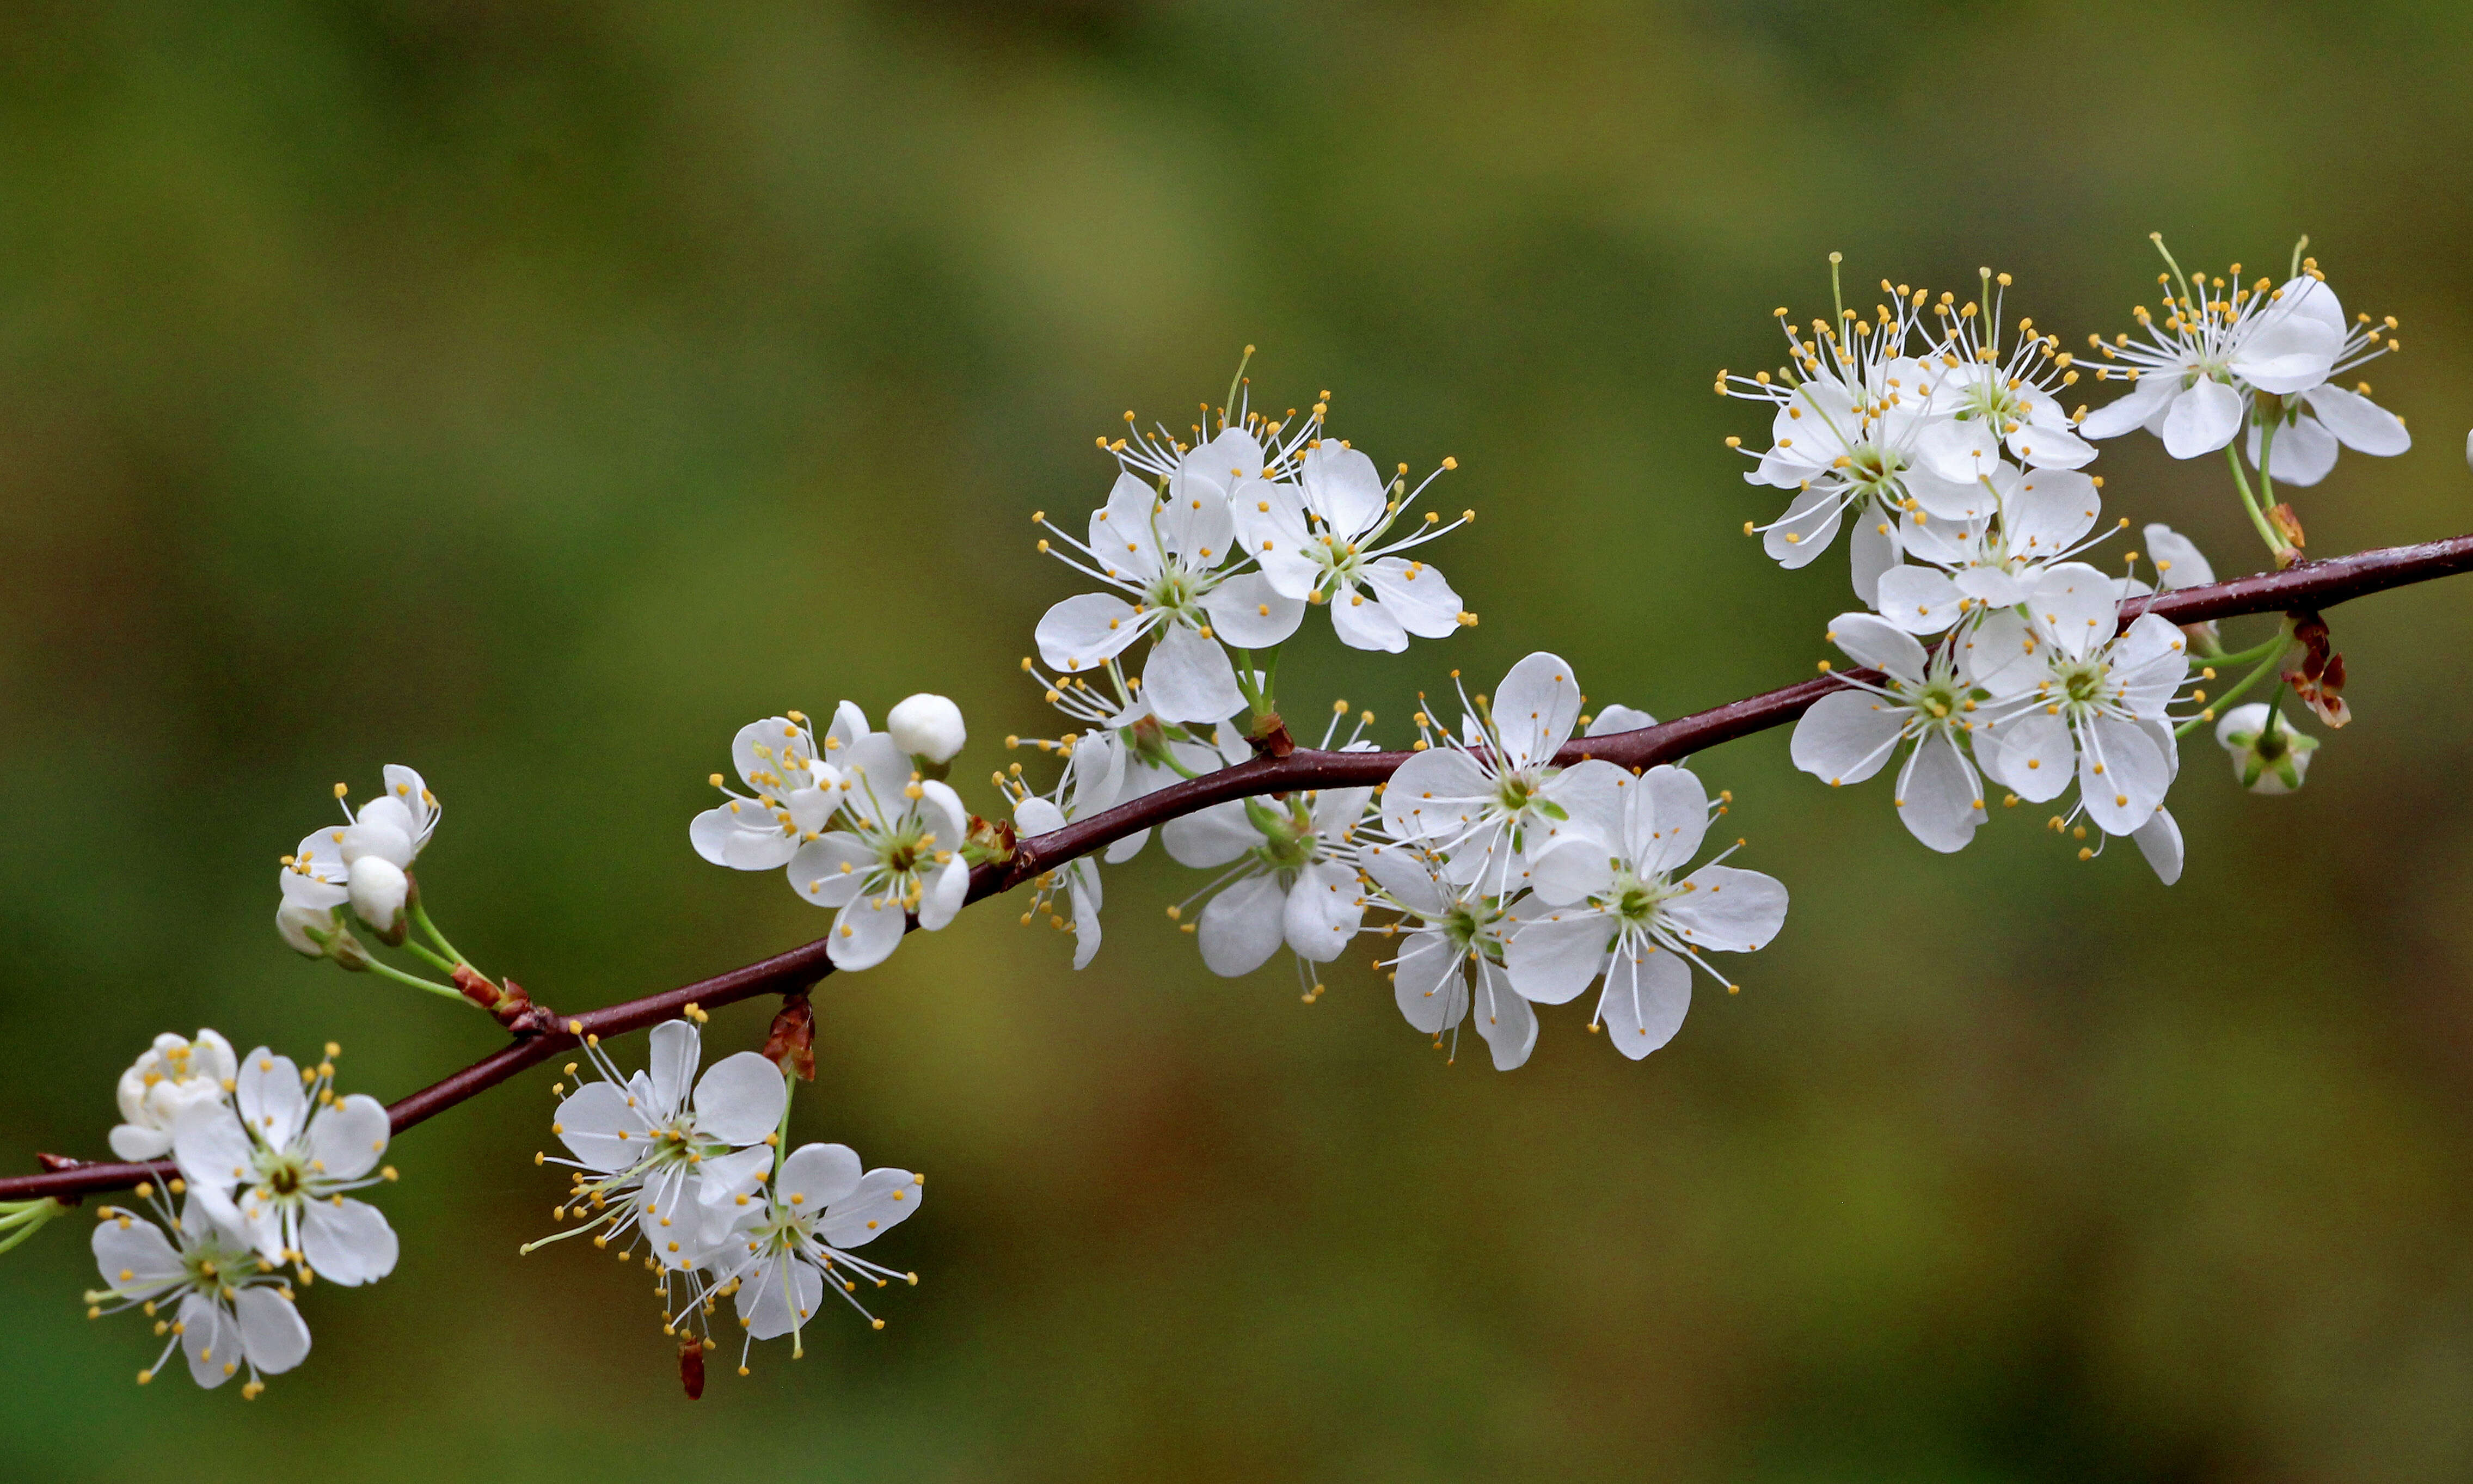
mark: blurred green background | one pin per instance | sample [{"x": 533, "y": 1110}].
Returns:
[{"x": 534, "y": 393}]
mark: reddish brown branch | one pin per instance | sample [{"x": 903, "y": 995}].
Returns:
[{"x": 2311, "y": 585}]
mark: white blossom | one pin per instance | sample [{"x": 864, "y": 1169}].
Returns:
[
  {"x": 1607, "y": 903},
  {"x": 678, "y": 1153},
  {"x": 2267, "y": 759},
  {"x": 1077, "y": 881},
  {"x": 1451, "y": 961},
  {"x": 1321, "y": 539},
  {"x": 2075, "y": 697},
  {"x": 796, "y": 1237},
  {"x": 1854, "y": 410},
  {"x": 898, "y": 852},
  {"x": 1926, "y": 698},
  {"x": 1491, "y": 799},
  {"x": 167, "y": 1078},
  {"x": 318, "y": 877},
  {"x": 1292, "y": 875},
  {"x": 1991, "y": 557},
  {"x": 292, "y": 1149},
  {"x": 2194, "y": 374},
  {"x": 927, "y": 727},
  {"x": 793, "y": 789},
  {"x": 230, "y": 1310},
  {"x": 1169, "y": 549}
]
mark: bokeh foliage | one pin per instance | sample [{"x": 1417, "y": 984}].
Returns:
[{"x": 535, "y": 392}]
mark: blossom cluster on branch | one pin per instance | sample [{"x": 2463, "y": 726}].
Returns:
[{"x": 1521, "y": 852}]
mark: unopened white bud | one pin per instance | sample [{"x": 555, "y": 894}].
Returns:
[
  {"x": 2266, "y": 761},
  {"x": 379, "y": 891},
  {"x": 927, "y": 727},
  {"x": 314, "y": 931},
  {"x": 167, "y": 1078}
]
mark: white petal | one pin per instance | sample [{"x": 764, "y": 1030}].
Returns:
[
  {"x": 779, "y": 1296},
  {"x": 1918, "y": 599},
  {"x": 346, "y": 1241},
  {"x": 2050, "y": 444},
  {"x": 270, "y": 1098},
  {"x": 1572, "y": 872},
  {"x": 1431, "y": 795},
  {"x": 1241, "y": 927},
  {"x": 816, "y": 872},
  {"x": 2159, "y": 840},
  {"x": 2290, "y": 352},
  {"x": 1846, "y": 738},
  {"x": 1189, "y": 679},
  {"x": 140, "y": 1251},
  {"x": 1416, "y": 595},
  {"x": 1211, "y": 836},
  {"x": 1871, "y": 549},
  {"x": 2176, "y": 557},
  {"x": 2129, "y": 412},
  {"x": 271, "y": 1329},
  {"x": 947, "y": 890},
  {"x": 2134, "y": 779},
  {"x": 1325, "y": 908},
  {"x": 1555, "y": 955},
  {"x": 2357, "y": 421},
  {"x": 865, "y": 932},
  {"x": 1669, "y": 815},
  {"x": 1408, "y": 875},
  {"x": 1613, "y": 719},
  {"x": 1082, "y": 632},
  {"x": 1343, "y": 488},
  {"x": 210, "y": 1339},
  {"x": 817, "y": 1175},
  {"x": 1247, "y": 611},
  {"x": 1649, "y": 991},
  {"x": 1729, "y": 910},
  {"x": 1939, "y": 799},
  {"x": 2304, "y": 452},
  {"x": 674, "y": 1052},
  {"x": 1536, "y": 708},
  {"x": 738, "y": 1100},
  {"x": 1507, "y": 1022},
  {"x": 347, "y": 1135},
  {"x": 2077, "y": 606},
  {"x": 1809, "y": 526},
  {"x": 1878, "y": 643},
  {"x": 1362, "y": 622},
  {"x": 884, "y": 1199},
  {"x": 2037, "y": 756},
  {"x": 1429, "y": 984},
  {"x": 2203, "y": 420}
]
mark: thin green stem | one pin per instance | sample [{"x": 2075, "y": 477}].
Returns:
[
  {"x": 2267, "y": 461},
  {"x": 415, "y": 946},
  {"x": 420, "y": 919},
  {"x": 2232, "y": 695},
  {"x": 416, "y": 982},
  {"x": 2258, "y": 518},
  {"x": 781, "y": 1134},
  {"x": 2250, "y": 655}
]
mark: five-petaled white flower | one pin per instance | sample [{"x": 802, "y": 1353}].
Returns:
[
  {"x": 1990, "y": 556},
  {"x": 785, "y": 1247},
  {"x": 1293, "y": 877},
  {"x": 2076, "y": 697},
  {"x": 1991, "y": 400},
  {"x": 1853, "y": 415},
  {"x": 1492, "y": 799},
  {"x": 1170, "y": 551},
  {"x": 1451, "y": 959},
  {"x": 1321, "y": 539},
  {"x": 230, "y": 1310},
  {"x": 1607, "y": 903},
  {"x": 898, "y": 852},
  {"x": 292, "y": 1148},
  {"x": 793, "y": 790},
  {"x": 2192, "y": 378},
  {"x": 169, "y": 1078},
  {"x": 1925, "y": 696},
  {"x": 681, "y": 1163}
]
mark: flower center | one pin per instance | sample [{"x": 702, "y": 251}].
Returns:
[{"x": 2083, "y": 682}]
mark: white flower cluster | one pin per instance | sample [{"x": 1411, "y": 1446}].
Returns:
[
  {"x": 267, "y": 1153},
  {"x": 695, "y": 1169},
  {"x": 1996, "y": 654},
  {"x": 360, "y": 869}
]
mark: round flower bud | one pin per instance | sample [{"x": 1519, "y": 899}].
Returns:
[
  {"x": 379, "y": 890},
  {"x": 928, "y": 727},
  {"x": 2267, "y": 761}
]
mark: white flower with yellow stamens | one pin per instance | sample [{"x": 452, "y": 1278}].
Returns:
[
  {"x": 1451, "y": 958},
  {"x": 325, "y": 871},
  {"x": 2030, "y": 520},
  {"x": 1492, "y": 799},
  {"x": 2193, "y": 376},
  {"x": 899, "y": 851},
  {"x": 291, "y": 1149},
  {"x": 793, "y": 789},
  {"x": 1167, "y": 540},
  {"x": 1854, "y": 409},
  {"x": 230, "y": 1310},
  {"x": 1996, "y": 400},
  {"x": 1926, "y": 698},
  {"x": 676, "y": 1152},
  {"x": 795, "y": 1240},
  {"x": 1322, "y": 540},
  {"x": 1609, "y": 904},
  {"x": 169, "y": 1078}
]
